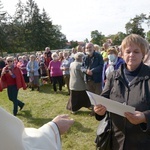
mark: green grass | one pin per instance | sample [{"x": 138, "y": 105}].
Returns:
[{"x": 41, "y": 107}]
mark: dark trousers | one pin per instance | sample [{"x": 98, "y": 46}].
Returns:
[
  {"x": 66, "y": 79},
  {"x": 12, "y": 92},
  {"x": 58, "y": 80}
]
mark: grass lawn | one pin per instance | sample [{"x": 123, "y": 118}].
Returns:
[{"x": 43, "y": 106}]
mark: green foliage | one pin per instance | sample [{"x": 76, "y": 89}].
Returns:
[
  {"x": 117, "y": 38},
  {"x": 97, "y": 37},
  {"x": 73, "y": 44},
  {"x": 135, "y": 25},
  {"x": 148, "y": 36},
  {"x": 41, "y": 107},
  {"x": 86, "y": 41},
  {"x": 29, "y": 30}
]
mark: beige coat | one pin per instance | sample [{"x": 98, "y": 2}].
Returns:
[{"x": 76, "y": 77}]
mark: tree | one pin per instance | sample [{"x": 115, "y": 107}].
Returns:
[
  {"x": 148, "y": 36},
  {"x": 86, "y": 41},
  {"x": 117, "y": 38},
  {"x": 19, "y": 27},
  {"x": 135, "y": 25},
  {"x": 97, "y": 37},
  {"x": 40, "y": 29},
  {"x": 73, "y": 44},
  {"x": 2, "y": 29}
]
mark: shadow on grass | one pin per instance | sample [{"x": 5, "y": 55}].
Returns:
[
  {"x": 39, "y": 121},
  {"x": 48, "y": 89},
  {"x": 82, "y": 112},
  {"x": 36, "y": 121},
  {"x": 79, "y": 127}
]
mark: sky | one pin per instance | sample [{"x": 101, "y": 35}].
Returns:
[{"x": 79, "y": 17}]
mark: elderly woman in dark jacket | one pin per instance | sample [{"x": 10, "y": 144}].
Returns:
[{"x": 130, "y": 85}]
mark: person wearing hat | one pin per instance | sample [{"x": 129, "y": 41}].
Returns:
[{"x": 112, "y": 64}]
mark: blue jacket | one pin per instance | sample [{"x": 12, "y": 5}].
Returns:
[
  {"x": 95, "y": 65},
  {"x": 35, "y": 68}
]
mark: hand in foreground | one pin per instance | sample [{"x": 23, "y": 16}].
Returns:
[
  {"x": 100, "y": 109},
  {"x": 136, "y": 118},
  {"x": 63, "y": 122}
]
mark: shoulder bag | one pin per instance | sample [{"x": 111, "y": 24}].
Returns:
[{"x": 103, "y": 138}]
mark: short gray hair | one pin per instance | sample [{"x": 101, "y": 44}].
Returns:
[
  {"x": 54, "y": 55},
  {"x": 78, "y": 56}
]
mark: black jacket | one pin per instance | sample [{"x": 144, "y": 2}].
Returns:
[
  {"x": 95, "y": 65},
  {"x": 127, "y": 136}
]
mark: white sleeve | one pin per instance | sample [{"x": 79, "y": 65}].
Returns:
[{"x": 51, "y": 130}]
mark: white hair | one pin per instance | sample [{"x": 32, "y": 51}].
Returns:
[
  {"x": 78, "y": 55},
  {"x": 54, "y": 54}
]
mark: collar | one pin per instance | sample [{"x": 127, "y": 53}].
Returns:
[{"x": 144, "y": 74}]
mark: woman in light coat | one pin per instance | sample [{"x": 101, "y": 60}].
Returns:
[
  {"x": 78, "y": 95},
  {"x": 33, "y": 72}
]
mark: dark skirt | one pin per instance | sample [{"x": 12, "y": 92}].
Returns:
[{"x": 77, "y": 100}]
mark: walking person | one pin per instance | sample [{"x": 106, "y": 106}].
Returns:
[{"x": 12, "y": 79}]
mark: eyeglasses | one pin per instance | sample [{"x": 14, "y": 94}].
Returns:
[{"x": 9, "y": 61}]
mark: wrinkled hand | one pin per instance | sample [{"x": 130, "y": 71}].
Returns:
[
  {"x": 100, "y": 109},
  {"x": 63, "y": 122},
  {"x": 136, "y": 118}
]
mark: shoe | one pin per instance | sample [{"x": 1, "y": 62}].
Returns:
[
  {"x": 15, "y": 113},
  {"x": 90, "y": 108},
  {"x": 21, "y": 107},
  {"x": 74, "y": 112},
  {"x": 32, "y": 89}
]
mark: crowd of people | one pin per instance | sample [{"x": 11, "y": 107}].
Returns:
[{"x": 115, "y": 72}]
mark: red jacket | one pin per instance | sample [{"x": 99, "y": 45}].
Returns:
[{"x": 19, "y": 79}]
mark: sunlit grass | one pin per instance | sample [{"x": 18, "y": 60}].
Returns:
[{"x": 43, "y": 106}]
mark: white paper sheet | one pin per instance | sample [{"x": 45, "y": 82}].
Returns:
[{"x": 111, "y": 106}]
